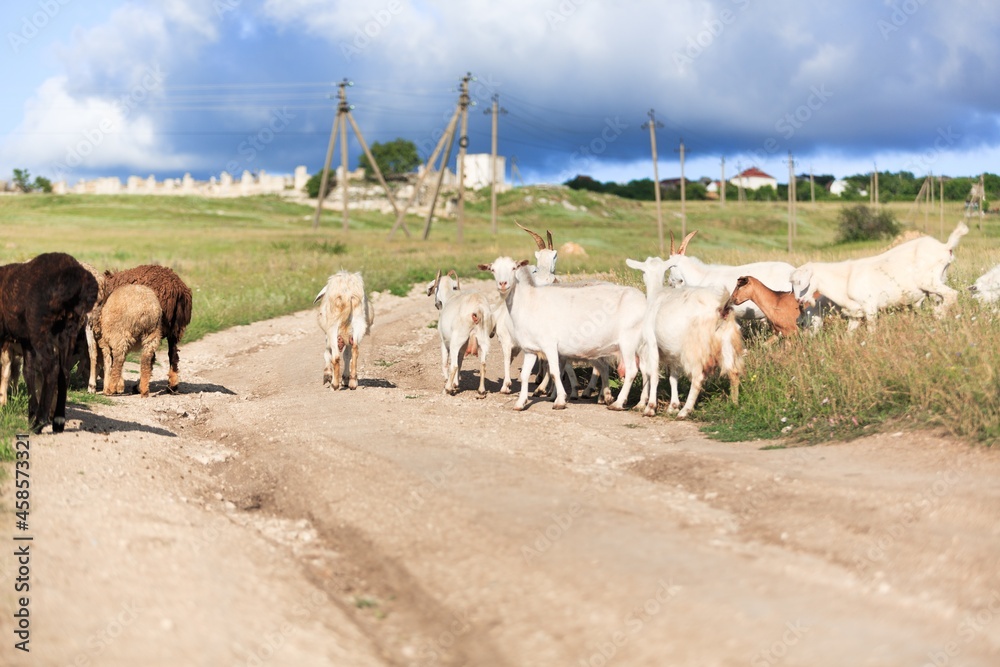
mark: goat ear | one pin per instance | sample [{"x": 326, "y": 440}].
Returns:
[
  {"x": 485, "y": 267},
  {"x": 523, "y": 262},
  {"x": 634, "y": 264},
  {"x": 684, "y": 243},
  {"x": 741, "y": 281}
]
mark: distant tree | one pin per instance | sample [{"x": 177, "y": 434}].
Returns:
[
  {"x": 862, "y": 223},
  {"x": 580, "y": 182},
  {"x": 394, "y": 158},
  {"x": 43, "y": 184},
  {"x": 764, "y": 193},
  {"x": 640, "y": 189},
  {"x": 957, "y": 189},
  {"x": 992, "y": 183},
  {"x": 312, "y": 185},
  {"x": 22, "y": 180}
]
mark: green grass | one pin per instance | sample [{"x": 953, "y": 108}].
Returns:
[{"x": 249, "y": 259}]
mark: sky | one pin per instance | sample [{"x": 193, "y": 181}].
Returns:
[{"x": 167, "y": 87}]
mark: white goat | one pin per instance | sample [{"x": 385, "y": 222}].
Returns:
[
  {"x": 689, "y": 329},
  {"x": 345, "y": 315},
  {"x": 543, "y": 273},
  {"x": 692, "y": 272},
  {"x": 986, "y": 289},
  {"x": 587, "y": 322},
  {"x": 901, "y": 276},
  {"x": 464, "y": 325}
]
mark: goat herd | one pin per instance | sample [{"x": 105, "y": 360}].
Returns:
[
  {"x": 691, "y": 327},
  {"x": 54, "y": 310}
]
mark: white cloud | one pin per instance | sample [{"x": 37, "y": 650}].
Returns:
[{"x": 63, "y": 134}]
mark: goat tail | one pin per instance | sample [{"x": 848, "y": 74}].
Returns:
[
  {"x": 176, "y": 305},
  {"x": 961, "y": 230}
]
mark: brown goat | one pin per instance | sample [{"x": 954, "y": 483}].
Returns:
[
  {"x": 780, "y": 308},
  {"x": 175, "y": 304},
  {"x": 43, "y": 303},
  {"x": 128, "y": 320}
]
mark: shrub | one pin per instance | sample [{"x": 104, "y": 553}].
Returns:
[
  {"x": 312, "y": 185},
  {"x": 861, "y": 223}
]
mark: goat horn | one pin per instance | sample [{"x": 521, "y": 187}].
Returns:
[
  {"x": 538, "y": 239},
  {"x": 548, "y": 235},
  {"x": 684, "y": 243},
  {"x": 437, "y": 281},
  {"x": 454, "y": 275},
  {"x": 671, "y": 242}
]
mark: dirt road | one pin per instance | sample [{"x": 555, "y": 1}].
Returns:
[{"x": 260, "y": 519}]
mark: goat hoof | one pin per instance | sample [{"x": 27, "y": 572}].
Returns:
[
  {"x": 58, "y": 424},
  {"x": 518, "y": 408},
  {"x": 559, "y": 406},
  {"x": 504, "y": 390},
  {"x": 480, "y": 394},
  {"x": 174, "y": 389},
  {"x": 650, "y": 411},
  {"x": 353, "y": 384}
]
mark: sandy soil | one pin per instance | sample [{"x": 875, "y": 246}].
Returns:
[{"x": 260, "y": 519}]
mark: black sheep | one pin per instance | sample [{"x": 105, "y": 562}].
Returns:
[{"x": 43, "y": 303}]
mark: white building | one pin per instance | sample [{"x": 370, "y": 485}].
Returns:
[
  {"x": 479, "y": 170},
  {"x": 753, "y": 179}
]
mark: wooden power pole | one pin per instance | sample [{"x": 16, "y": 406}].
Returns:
[
  {"x": 683, "y": 192},
  {"x": 722, "y": 184},
  {"x": 495, "y": 112},
  {"x": 340, "y": 125},
  {"x": 791, "y": 200},
  {"x": 652, "y": 125},
  {"x": 462, "y": 115}
]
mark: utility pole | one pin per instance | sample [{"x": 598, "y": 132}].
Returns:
[
  {"x": 494, "y": 111},
  {"x": 875, "y": 189},
  {"x": 515, "y": 171},
  {"x": 722, "y": 184},
  {"x": 929, "y": 197},
  {"x": 652, "y": 125},
  {"x": 344, "y": 117},
  {"x": 684, "y": 219},
  {"x": 812, "y": 186},
  {"x": 741, "y": 194},
  {"x": 428, "y": 168},
  {"x": 461, "y": 113},
  {"x": 941, "y": 200},
  {"x": 463, "y": 144},
  {"x": 791, "y": 199}
]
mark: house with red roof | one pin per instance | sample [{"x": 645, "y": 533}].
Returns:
[{"x": 753, "y": 178}]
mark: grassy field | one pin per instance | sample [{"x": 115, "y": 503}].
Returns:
[{"x": 253, "y": 258}]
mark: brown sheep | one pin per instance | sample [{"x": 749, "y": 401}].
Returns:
[
  {"x": 43, "y": 303},
  {"x": 175, "y": 305},
  {"x": 129, "y": 320}
]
